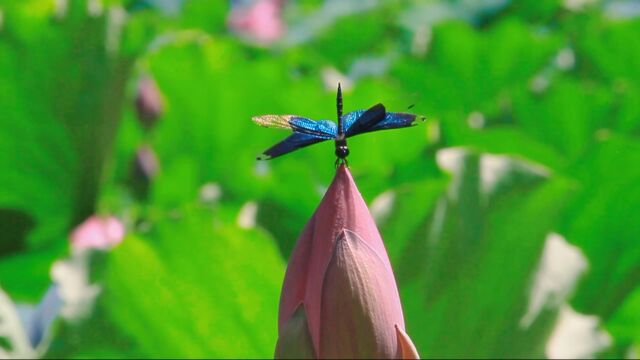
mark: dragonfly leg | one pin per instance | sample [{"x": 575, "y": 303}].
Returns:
[{"x": 341, "y": 161}]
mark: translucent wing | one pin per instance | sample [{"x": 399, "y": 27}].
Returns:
[
  {"x": 291, "y": 143},
  {"x": 322, "y": 129},
  {"x": 391, "y": 120}
]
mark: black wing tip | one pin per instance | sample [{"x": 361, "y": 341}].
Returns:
[{"x": 417, "y": 119}]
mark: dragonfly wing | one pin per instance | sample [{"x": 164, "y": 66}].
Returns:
[
  {"x": 361, "y": 121},
  {"x": 323, "y": 129},
  {"x": 397, "y": 120},
  {"x": 391, "y": 120},
  {"x": 291, "y": 143},
  {"x": 349, "y": 118}
]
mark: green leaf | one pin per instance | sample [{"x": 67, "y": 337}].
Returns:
[
  {"x": 61, "y": 100},
  {"x": 606, "y": 45},
  {"x": 30, "y": 282},
  {"x": 624, "y": 325},
  {"x": 566, "y": 117},
  {"x": 600, "y": 221},
  {"x": 477, "y": 258},
  {"x": 511, "y": 140},
  {"x": 206, "y": 15},
  {"x": 536, "y": 11},
  {"x": 193, "y": 287},
  {"x": 467, "y": 71},
  {"x": 411, "y": 205},
  {"x": 366, "y": 36}
]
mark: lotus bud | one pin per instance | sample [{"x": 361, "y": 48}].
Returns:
[
  {"x": 148, "y": 102},
  {"x": 145, "y": 168},
  {"x": 339, "y": 298}
]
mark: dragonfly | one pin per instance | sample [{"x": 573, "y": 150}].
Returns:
[{"x": 308, "y": 132}]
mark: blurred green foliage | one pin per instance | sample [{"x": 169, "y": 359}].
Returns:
[{"x": 550, "y": 93}]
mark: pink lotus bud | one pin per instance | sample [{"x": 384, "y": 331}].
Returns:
[
  {"x": 339, "y": 298},
  {"x": 97, "y": 233},
  {"x": 260, "y": 22},
  {"x": 148, "y": 102},
  {"x": 145, "y": 164},
  {"x": 145, "y": 167}
]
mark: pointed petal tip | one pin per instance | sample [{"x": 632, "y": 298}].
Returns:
[
  {"x": 406, "y": 349},
  {"x": 358, "y": 292},
  {"x": 294, "y": 339},
  {"x": 342, "y": 171}
]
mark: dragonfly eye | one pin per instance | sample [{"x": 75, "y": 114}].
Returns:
[{"x": 342, "y": 151}]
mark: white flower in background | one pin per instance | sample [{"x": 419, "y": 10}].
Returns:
[
  {"x": 382, "y": 205},
  {"x": 210, "y": 193},
  {"x": 565, "y": 59},
  {"x": 72, "y": 279},
  {"x": 12, "y": 329},
  {"x": 94, "y": 8},
  {"x": 576, "y": 336},
  {"x": 247, "y": 215},
  {"x": 476, "y": 120},
  {"x": 623, "y": 9},
  {"x": 331, "y": 77},
  {"x": 27, "y": 327},
  {"x": 116, "y": 19},
  {"x": 577, "y": 5},
  {"x": 60, "y": 8},
  {"x": 450, "y": 160},
  {"x": 421, "y": 41},
  {"x": 560, "y": 267},
  {"x": 539, "y": 83}
]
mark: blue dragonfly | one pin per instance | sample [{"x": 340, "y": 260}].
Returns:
[{"x": 307, "y": 132}]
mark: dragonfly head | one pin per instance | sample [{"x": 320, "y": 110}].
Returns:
[{"x": 342, "y": 151}]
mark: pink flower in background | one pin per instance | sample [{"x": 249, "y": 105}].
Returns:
[
  {"x": 339, "y": 298},
  {"x": 261, "y": 22},
  {"x": 97, "y": 233}
]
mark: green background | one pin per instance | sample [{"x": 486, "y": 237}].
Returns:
[{"x": 557, "y": 90}]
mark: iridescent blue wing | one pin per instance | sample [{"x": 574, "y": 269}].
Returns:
[
  {"x": 322, "y": 129},
  {"x": 391, "y": 120},
  {"x": 359, "y": 121},
  {"x": 291, "y": 143},
  {"x": 305, "y": 133},
  {"x": 396, "y": 120}
]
